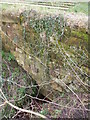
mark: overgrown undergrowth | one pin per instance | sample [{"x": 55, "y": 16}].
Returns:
[{"x": 19, "y": 89}]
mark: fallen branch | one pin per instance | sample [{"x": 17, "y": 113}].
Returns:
[
  {"x": 23, "y": 110},
  {"x": 20, "y": 109}
]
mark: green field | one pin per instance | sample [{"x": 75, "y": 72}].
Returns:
[{"x": 80, "y": 8}]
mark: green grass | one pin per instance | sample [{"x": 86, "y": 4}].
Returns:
[
  {"x": 15, "y": 8},
  {"x": 11, "y": 7},
  {"x": 80, "y": 8}
]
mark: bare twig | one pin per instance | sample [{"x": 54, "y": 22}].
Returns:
[{"x": 20, "y": 109}]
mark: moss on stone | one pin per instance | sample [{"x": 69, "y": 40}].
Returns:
[{"x": 79, "y": 34}]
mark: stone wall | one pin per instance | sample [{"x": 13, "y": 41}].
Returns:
[{"x": 53, "y": 54}]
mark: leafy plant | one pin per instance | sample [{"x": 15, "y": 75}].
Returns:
[
  {"x": 7, "y": 56},
  {"x": 49, "y": 25},
  {"x": 3, "y": 54},
  {"x": 11, "y": 57},
  {"x": 21, "y": 91},
  {"x": 44, "y": 112}
]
